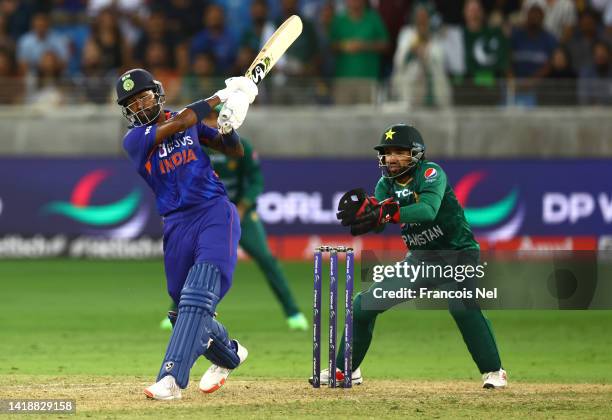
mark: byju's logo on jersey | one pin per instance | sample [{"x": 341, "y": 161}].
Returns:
[
  {"x": 124, "y": 218},
  {"x": 495, "y": 222},
  {"x": 169, "y": 161}
]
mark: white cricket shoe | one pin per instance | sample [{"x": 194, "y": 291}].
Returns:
[
  {"x": 214, "y": 378},
  {"x": 357, "y": 379},
  {"x": 164, "y": 389},
  {"x": 498, "y": 379}
]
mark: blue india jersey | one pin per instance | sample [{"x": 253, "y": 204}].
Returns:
[{"x": 177, "y": 170}]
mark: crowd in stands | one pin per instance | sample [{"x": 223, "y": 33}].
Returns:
[{"x": 430, "y": 53}]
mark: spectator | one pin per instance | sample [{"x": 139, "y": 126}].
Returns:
[
  {"x": 581, "y": 43},
  {"x": 157, "y": 61},
  {"x": 293, "y": 73},
  {"x": 6, "y": 41},
  {"x": 156, "y": 31},
  {"x": 94, "y": 84},
  {"x": 419, "y": 75},
  {"x": 255, "y": 35},
  {"x": 45, "y": 86},
  {"x": 326, "y": 56},
  {"x": 359, "y": 39},
  {"x": 560, "y": 18},
  {"x": 560, "y": 85},
  {"x": 260, "y": 29},
  {"x": 215, "y": 39},
  {"x": 11, "y": 84},
  {"x": 394, "y": 14},
  {"x": 200, "y": 80},
  {"x": 35, "y": 43},
  {"x": 605, "y": 8},
  {"x": 238, "y": 13},
  {"x": 106, "y": 34},
  {"x": 486, "y": 58},
  {"x": 311, "y": 9},
  {"x": 501, "y": 13},
  {"x": 18, "y": 15},
  {"x": 595, "y": 83},
  {"x": 532, "y": 48},
  {"x": 451, "y": 11},
  {"x": 71, "y": 7},
  {"x": 129, "y": 13},
  {"x": 182, "y": 17}
]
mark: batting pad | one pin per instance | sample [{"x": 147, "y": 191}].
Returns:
[
  {"x": 221, "y": 351},
  {"x": 197, "y": 305}
]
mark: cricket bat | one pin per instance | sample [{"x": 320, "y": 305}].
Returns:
[{"x": 274, "y": 48}]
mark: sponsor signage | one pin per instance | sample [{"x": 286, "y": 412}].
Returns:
[{"x": 56, "y": 206}]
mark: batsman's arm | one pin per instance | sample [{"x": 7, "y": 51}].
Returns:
[
  {"x": 185, "y": 118},
  {"x": 229, "y": 144}
]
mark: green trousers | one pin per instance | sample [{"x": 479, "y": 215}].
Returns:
[
  {"x": 474, "y": 326},
  {"x": 254, "y": 242}
]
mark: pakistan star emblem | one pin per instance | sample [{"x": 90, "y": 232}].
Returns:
[{"x": 389, "y": 134}]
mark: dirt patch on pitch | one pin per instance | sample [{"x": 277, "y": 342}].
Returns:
[{"x": 253, "y": 398}]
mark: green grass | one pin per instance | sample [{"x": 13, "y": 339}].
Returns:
[{"x": 101, "y": 318}]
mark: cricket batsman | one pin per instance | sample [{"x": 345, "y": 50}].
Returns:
[
  {"x": 243, "y": 180},
  {"x": 201, "y": 226},
  {"x": 414, "y": 193}
]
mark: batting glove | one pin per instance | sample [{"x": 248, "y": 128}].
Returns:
[
  {"x": 238, "y": 84},
  {"x": 233, "y": 112}
]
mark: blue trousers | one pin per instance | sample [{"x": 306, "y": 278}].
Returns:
[{"x": 206, "y": 233}]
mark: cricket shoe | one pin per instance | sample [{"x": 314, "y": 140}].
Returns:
[
  {"x": 214, "y": 378},
  {"x": 164, "y": 389},
  {"x": 357, "y": 379},
  {"x": 497, "y": 379},
  {"x": 165, "y": 324},
  {"x": 297, "y": 322}
]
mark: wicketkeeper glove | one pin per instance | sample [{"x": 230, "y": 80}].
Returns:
[
  {"x": 351, "y": 204},
  {"x": 386, "y": 211}
]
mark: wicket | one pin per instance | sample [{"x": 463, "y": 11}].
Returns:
[{"x": 333, "y": 310}]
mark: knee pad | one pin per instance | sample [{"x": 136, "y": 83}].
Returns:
[{"x": 202, "y": 288}]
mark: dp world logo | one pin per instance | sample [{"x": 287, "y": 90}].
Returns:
[
  {"x": 124, "y": 218},
  {"x": 498, "y": 221}
]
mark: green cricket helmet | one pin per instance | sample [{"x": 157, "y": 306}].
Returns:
[{"x": 400, "y": 136}]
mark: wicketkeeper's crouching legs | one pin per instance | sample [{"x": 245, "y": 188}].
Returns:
[
  {"x": 473, "y": 325},
  {"x": 196, "y": 332}
]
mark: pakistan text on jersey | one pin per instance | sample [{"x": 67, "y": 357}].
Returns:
[{"x": 424, "y": 237}]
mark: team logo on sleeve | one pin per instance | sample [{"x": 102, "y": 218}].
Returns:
[{"x": 430, "y": 173}]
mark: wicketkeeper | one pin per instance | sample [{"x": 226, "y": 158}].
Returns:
[{"x": 414, "y": 193}]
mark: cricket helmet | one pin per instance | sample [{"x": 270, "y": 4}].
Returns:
[
  {"x": 133, "y": 82},
  {"x": 405, "y": 137}
]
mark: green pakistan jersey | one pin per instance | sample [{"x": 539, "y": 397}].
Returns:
[
  {"x": 241, "y": 176},
  {"x": 431, "y": 217}
]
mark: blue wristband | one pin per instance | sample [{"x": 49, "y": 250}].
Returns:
[
  {"x": 201, "y": 109},
  {"x": 231, "y": 139}
]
